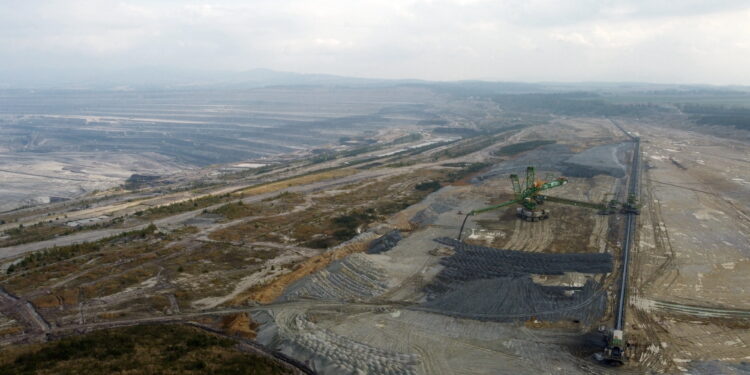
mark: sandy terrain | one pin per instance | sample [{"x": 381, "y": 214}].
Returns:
[{"x": 691, "y": 289}]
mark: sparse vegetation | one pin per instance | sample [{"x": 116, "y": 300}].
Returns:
[
  {"x": 413, "y": 137},
  {"x": 37, "y": 232},
  {"x": 56, "y": 254},
  {"x": 180, "y": 207},
  {"x": 280, "y": 203},
  {"x": 300, "y": 180},
  {"x": 573, "y": 104},
  {"x": 474, "y": 144},
  {"x": 428, "y": 186},
  {"x": 345, "y": 226},
  {"x": 168, "y": 349},
  {"x": 466, "y": 171},
  {"x": 737, "y": 117},
  {"x": 333, "y": 219}
]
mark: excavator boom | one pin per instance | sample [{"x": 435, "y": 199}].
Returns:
[
  {"x": 554, "y": 183},
  {"x": 573, "y": 202},
  {"x": 494, "y": 207},
  {"x": 479, "y": 211}
]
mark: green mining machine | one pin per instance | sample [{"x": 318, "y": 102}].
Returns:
[{"x": 529, "y": 196}]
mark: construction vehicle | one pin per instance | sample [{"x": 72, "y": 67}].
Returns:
[
  {"x": 529, "y": 196},
  {"x": 614, "y": 353}
]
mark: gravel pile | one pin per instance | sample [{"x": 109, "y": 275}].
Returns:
[
  {"x": 479, "y": 262},
  {"x": 330, "y": 353},
  {"x": 385, "y": 243},
  {"x": 353, "y": 278},
  {"x": 519, "y": 298},
  {"x": 430, "y": 214},
  {"x": 492, "y": 284}
]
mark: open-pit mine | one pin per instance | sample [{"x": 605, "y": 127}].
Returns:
[{"x": 377, "y": 231}]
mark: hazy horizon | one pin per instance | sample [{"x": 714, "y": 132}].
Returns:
[{"x": 690, "y": 42}]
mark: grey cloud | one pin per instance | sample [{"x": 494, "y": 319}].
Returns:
[{"x": 657, "y": 40}]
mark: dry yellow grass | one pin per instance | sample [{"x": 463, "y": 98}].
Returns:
[
  {"x": 46, "y": 301},
  {"x": 239, "y": 324},
  {"x": 302, "y": 180},
  {"x": 9, "y": 331}
]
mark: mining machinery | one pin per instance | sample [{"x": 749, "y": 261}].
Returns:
[
  {"x": 529, "y": 196},
  {"x": 614, "y": 353}
]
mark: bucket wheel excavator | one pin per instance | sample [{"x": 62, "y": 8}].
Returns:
[{"x": 529, "y": 196}]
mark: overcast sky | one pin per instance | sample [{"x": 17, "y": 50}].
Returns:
[{"x": 670, "y": 41}]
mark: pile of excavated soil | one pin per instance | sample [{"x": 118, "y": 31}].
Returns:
[
  {"x": 385, "y": 243},
  {"x": 492, "y": 284},
  {"x": 271, "y": 291},
  {"x": 430, "y": 214},
  {"x": 350, "y": 279},
  {"x": 328, "y": 352},
  {"x": 239, "y": 324},
  {"x": 472, "y": 262},
  {"x": 519, "y": 298}
]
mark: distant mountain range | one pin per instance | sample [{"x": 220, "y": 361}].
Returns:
[
  {"x": 169, "y": 78},
  {"x": 145, "y": 78}
]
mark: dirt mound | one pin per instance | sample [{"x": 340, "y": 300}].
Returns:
[
  {"x": 385, "y": 243},
  {"x": 328, "y": 352},
  {"x": 271, "y": 291},
  {"x": 472, "y": 262},
  {"x": 519, "y": 298},
  {"x": 352, "y": 278},
  {"x": 492, "y": 284}
]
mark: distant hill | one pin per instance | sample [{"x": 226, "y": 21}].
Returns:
[
  {"x": 169, "y": 78},
  {"x": 166, "y": 78}
]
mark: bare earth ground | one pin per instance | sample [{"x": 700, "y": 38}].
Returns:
[
  {"x": 691, "y": 289},
  {"x": 342, "y": 310},
  {"x": 31, "y": 179}
]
